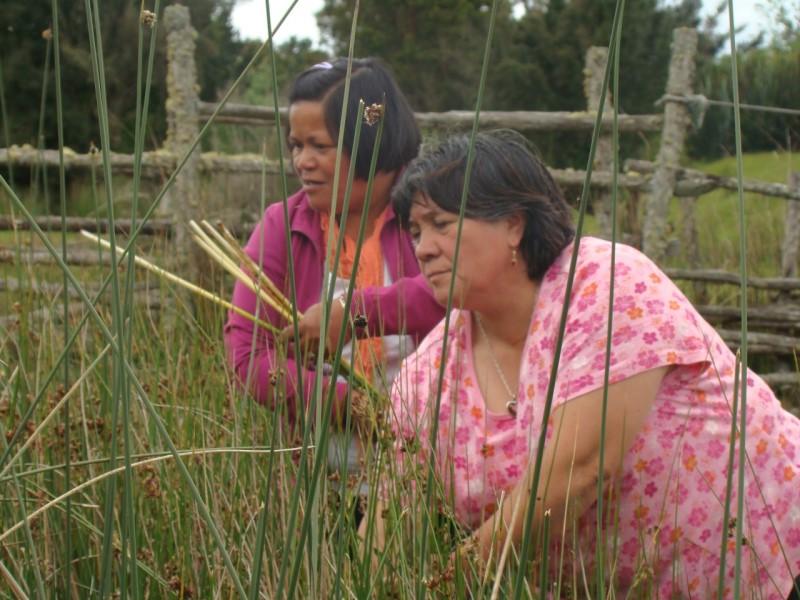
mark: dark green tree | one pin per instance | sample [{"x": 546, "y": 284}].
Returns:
[
  {"x": 220, "y": 57},
  {"x": 434, "y": 47},
  {"x": 291, "y": 58},
  {"x": 552, "y": 43},
  {"x": 767, "y": 77}
]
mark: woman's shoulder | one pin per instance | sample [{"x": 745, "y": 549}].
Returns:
[
  {"x": 594, "y": 261},
  {"x": 270, "y": 229},
  {"x": 296, "y": 204},
  {"x": 596, "y": 249}
]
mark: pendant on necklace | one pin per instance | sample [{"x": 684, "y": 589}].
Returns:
[{"x": 511, "y": 406}]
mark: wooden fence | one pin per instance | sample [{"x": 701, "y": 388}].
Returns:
[{"x": 776, "y": 323}]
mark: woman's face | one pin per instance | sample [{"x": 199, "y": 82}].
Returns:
[
  {"x": 484, "y": 255},
  {"x": 314, "y": 158}
]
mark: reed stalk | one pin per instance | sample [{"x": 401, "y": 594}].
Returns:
[
  {"x": 119, "y": 397},
  {"x": 434, "y": 433},
  {"x": 528, "y": 522},
  {"x": 266, "y": 493},
  {"x": 600, "y": 562},
  {"x": 39, "y": 172},
  {"x": 741, "y": 440},
  {"x": 6, "y": 135},
  {"x": 226, "y": 241},
  {"x": 62, "y": 193}
]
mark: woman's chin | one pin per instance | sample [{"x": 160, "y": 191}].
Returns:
[
  {"x": 319, "y": 200},
  {"x": 442, "y": 295}
]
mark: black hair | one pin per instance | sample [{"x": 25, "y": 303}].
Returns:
[
  {"x": 372, "y": 82},
  {"x": 507, "y": 178}
]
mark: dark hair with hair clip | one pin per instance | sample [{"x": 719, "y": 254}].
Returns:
[
  {"x": 372, "y": 82},
  {"x": 507, "y": 178}
]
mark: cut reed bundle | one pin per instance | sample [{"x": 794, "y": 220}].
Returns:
[
  {"x": 196, "y": 289},
  {"x": 222, "y": 247}
]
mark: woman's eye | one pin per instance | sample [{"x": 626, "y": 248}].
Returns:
[{"x": 441, "y": 224}]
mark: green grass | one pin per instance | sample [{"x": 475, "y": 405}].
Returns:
[{"x": 716, "y": 215}]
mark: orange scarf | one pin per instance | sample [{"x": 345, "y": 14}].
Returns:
[{"x": 368, "y": 352}]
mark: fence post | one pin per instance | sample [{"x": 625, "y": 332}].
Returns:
[
  {"x": 181, "y": 203},
  {"x": 688, "y": 234},
  {"x": 673, "y": 136},
  {"x": 593, "y": 77},
  {"x": 791, "y": 231}
]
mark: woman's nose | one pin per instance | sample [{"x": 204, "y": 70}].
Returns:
[
  {"x": 303, "y": 159},
  {"x": 423, "y": 247}
]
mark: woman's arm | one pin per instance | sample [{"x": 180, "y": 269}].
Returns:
[
  {"x": 377, "y": 542},
  {"x": 406, "y": 307},
  {"x": 571, "y": 460},
  {"x": 264, "y": 365},
  {"x": 403, "y": 307}
]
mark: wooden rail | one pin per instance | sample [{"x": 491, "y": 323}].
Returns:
[
  {"x": 718, "y": 276},
  {"x": 74, "y": 224},
  {"x": 461, "y": 120},
  {"x": 695, "y": 183},
  {"x": 159, "y": 163}
]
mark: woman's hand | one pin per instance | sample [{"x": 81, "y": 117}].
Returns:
[{"x": 310, "y": 327}]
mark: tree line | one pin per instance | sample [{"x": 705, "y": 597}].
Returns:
[{"x": 435, "y": 48}]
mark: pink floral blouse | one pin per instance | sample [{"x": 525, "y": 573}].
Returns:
[{"x": 671, "y": 489}]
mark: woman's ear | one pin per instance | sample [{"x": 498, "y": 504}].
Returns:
[{"x": 516, "y": 229}]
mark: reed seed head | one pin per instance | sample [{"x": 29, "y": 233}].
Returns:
[
  {"x": 373, "y": 113},
  {"x": 148, "y": 18}
]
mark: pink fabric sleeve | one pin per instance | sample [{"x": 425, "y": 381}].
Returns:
[
  {"x": 262, "y": 365},
  {"x": 654, "y": 325},
  {"x": 405, "y": 307}
]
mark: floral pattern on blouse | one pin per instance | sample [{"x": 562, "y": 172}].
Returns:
[{"x": 670, "y": 491}]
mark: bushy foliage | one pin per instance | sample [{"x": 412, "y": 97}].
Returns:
[
  {"x": 537, "y": 58},
  {"x": 435, "y": 48},
  {"x": 23, "y": 48},
  {"x": 767, "y": 77}
]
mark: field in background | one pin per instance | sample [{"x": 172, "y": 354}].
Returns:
[{"x": 717, "y": 215}]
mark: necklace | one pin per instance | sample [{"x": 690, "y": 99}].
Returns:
[{"x": 511, "y": 405}]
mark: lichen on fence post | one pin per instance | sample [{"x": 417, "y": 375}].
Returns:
[
  {"x": 181, "y": 203},
  {"x": 593, "y": 78},
  {"x": 676, "y": 125},
  {"x": 790, "y": 248}
]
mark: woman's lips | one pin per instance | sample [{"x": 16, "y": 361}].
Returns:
[
  {"x": 312, "y": 185},
  {"x": 437, "y": 274}
]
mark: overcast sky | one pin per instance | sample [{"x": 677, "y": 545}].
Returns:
[{"x": 249, "y": 17}]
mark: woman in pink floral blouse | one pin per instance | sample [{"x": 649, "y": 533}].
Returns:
[{"x": 670, "y": 394}]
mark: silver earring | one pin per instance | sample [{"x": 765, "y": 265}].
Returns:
[{"x": 513, "y": 257}]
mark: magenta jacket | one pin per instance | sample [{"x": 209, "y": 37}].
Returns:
[{"x": 406, "y": 306}]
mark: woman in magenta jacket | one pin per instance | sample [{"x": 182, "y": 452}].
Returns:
[{"x": 391, "y": 296}]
